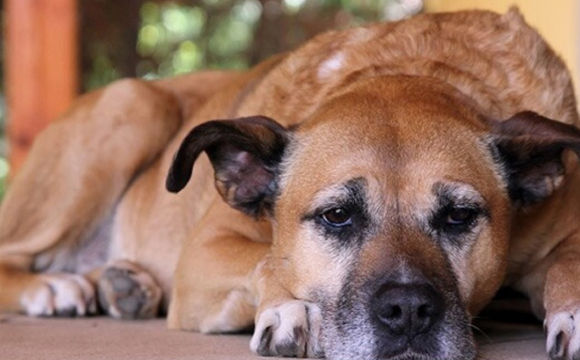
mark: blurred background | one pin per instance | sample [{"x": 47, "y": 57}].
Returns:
[{"x": 53, "y": 50}]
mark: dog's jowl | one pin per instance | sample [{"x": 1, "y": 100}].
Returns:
[{"x": 362, "y": 197}]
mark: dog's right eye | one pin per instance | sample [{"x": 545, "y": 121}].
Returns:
[{"x": 337, "y": 217}]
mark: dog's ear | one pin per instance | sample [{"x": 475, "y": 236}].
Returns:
[
  {"x": 245, "y": 154},
  {"x": 530, "y": 149}
]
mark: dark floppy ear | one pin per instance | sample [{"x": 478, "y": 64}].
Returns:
[
  {"x": 245, "y": 154},
  {"x": 530, "y": 148}
]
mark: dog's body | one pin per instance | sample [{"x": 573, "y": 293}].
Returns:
[{"x": 399, "y": 202}]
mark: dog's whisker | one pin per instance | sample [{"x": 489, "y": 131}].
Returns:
[
  {"x": 479, "y": 330},
  {"x": 490, "y": 341}
]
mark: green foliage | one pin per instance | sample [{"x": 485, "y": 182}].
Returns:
[
  {"x": 176, "y": 37},
  {"x": 4, "y": 170},
  {"x": 103, "y": 71}
]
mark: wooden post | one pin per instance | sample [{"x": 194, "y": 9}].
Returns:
[{"x": 41, "y": 68}]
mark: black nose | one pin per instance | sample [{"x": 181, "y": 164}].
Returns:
[{"x": 406, "y": 310}]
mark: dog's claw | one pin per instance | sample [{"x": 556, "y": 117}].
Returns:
[
  {"x": 265, "y": 339},
  {"x": 60, "y": 294},
  {"x": 557, "y": 350},
  {"x": 290, "y": 330},
  {"x": 563, "y": 335}
]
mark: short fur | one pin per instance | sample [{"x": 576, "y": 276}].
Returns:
[{"x": 373, "y": 190}]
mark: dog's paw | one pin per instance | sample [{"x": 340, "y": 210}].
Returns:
[
  {"x": 127, "y": 292},
  {"x": 292, "y": 329},
  {"x": 59, "y": 294},
  {"x": 563, "y": 334}
]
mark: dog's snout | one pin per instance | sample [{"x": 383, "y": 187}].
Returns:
[{"x": 406, "y": 310}]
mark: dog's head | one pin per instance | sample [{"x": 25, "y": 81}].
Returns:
[{"x": 391, "y": 207}]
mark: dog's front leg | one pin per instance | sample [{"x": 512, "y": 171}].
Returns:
[
  {"x": 554, "y": 289},
  {"x": 224, "y": 275},
  {"x": 212, "y": 287},
  {"x": 562, "y": 302},
  {"x": 285, "y": 326},
  {"x": 225, "y": 270}
]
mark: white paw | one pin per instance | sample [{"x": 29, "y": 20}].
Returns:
[
  {"x": 127, "y": 292},
  {"x": 60, "y": 294},
  {"x": 291, "y": 329},
  {"x": 563, "y": 334}
]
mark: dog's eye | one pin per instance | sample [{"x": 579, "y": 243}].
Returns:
[
  {"x": 337, "y": 217},
  {"x": 460, "y": 216},
  {"x": 455, "y": 220}
]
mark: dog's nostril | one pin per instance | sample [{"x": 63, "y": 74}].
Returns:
[
  {"x": 423, "y": 311},
  {"x": 427, "y": 310},
  {"x": 393, "y": 312},
  {"x": 407, "y": 309}
]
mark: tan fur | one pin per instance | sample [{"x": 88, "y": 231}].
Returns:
[{"x": 399, "y": 105}]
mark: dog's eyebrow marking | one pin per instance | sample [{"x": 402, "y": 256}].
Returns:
[
  {"x": 331, "y": 65},
  {"x": 350, "y": 195},
  {"x": 459, "y": 193},
  {"x": 352, "y": 189},
  {"x": 455, "y": 195}
]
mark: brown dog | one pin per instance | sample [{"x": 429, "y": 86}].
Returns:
[{"x": 404, "y": 181}]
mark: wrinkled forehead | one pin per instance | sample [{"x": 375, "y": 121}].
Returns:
[{"x": 401, "y": 148}]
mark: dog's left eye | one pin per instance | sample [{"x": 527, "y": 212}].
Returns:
[
  {"x": 455, "y": 220},
  {"x": 460, "y": 216},
  {"x": 337, "y": 217}
]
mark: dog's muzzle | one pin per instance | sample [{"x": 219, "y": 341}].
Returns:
[{"x": 393, "y": 317}]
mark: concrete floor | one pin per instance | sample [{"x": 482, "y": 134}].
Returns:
[{"x": 25, "y": 338}]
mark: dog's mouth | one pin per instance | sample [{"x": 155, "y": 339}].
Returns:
[
  {"x": 415, "y": 349},
  {"x": 410, "y": 355},
  {"x": 420, "y": 347}
]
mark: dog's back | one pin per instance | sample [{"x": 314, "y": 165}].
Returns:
[{"x": 498, "y": 61}]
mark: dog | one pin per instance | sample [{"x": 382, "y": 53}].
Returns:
[{"x": 363, "y": 196}]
